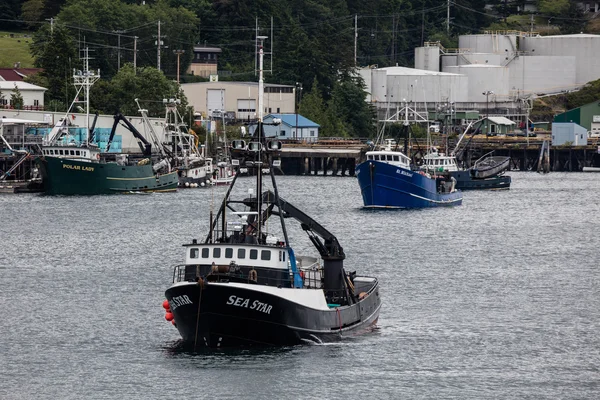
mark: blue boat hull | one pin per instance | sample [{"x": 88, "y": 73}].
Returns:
[{"x": 390, "y": 186}]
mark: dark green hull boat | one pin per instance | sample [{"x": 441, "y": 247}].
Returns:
[{"x": 73, "y": 177}]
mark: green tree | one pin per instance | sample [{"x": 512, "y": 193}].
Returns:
[
  {"x": 54, "y": 51},
  {"x": 312, "y": 105},
  {"x": 16, "y": 98},
  {"x": 553, "y": 7},
  {"x": 349, "y": 106},
  {"x": 32, "y": 11},
  {"x": 147, "y": 84}
]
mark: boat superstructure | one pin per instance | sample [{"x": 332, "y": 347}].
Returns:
[{"x": 243, "y": 285}]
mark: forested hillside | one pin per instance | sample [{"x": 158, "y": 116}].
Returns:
[{"x": 313, "y": 41}]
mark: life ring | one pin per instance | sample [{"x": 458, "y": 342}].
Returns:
[{"x": 97, "y": 156}]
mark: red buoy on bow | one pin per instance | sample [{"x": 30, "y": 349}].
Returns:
[
  {"x": 166, "y": 305},
  {"x": 169, "y": 316}
]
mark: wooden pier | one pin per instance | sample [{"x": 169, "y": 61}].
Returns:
[{"x": 340, "y": 157}]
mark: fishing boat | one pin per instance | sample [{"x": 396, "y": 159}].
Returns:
[
  {"x": 70, "y": 166},
  {"x": 389, "y": 179},
  {"x": 17, "y": 172},
  {"x": 486, "y": 173},
  {"x": 181, "y": 144},
  {"x": 489, "y": 166},
  {"x": 243, "y": 285}
]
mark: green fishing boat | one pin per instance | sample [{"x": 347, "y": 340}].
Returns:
[{"x": 78, "y": 167}]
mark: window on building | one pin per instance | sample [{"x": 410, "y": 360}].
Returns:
[
  {"x": 282, "y": 133},
  {"x": 36, "y": 103},
  {"x": 278, "y": 110},
  {"x": 312, "y": 133},
  {"x": 270, "y": 110}
]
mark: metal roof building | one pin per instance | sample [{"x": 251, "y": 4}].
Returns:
[
  {"x": 293, "y": 126},
  {"x": 587, "y": 116}
]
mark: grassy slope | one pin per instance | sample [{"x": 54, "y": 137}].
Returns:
[{"x": 15, "y": 49}]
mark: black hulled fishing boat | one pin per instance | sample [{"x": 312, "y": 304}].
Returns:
[{"x": 244, "y": 286}]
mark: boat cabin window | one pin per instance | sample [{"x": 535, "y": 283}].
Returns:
[
  {"x": 228, "y": 252},
  {"x": 60, "y": 152},
  {"x": 396, "y": 158},
  {"x": 369, "y": 157},
  {"x": 282, "y": 256},
  {"x": 241, "y": 253},
  {"x": 216, "y": 252},
  {"x": 253, "y": 254},
  {"x": 72, "y": 152},
  {"x": 265, "y": 255},
  {"x": 77, "y": 152},
  {"x": 194, "y": 253},
  {"x": 205, "y": 252}
]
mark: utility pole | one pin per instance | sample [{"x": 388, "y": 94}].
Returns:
[
  {"x": 448, "y": 19},
  {"x": 355, "y": 37},
  {"x": 135, "y": 54},
  {"x": 178, "y": 53},
  {"x": 118, "y": 48},
  {"x": 51, "y": 25},
  {"x": 531, "y": 30},
  {"x": 158, "y": 44}
]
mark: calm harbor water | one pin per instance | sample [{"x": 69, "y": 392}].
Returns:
[{"x": 497, "y": 298}]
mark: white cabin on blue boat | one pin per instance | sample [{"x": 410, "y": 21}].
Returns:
[{"x": 390, "y": 157}]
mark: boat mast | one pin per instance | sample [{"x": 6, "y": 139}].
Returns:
[
  {"x": 85, "y": 79},
  {"x": 259, "y": 127}
]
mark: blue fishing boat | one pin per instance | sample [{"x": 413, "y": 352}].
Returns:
[{"x": 387, "y": 180}]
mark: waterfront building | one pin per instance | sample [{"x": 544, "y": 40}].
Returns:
[
  {"x": 215, "y": 99},
  {"x": 292, "y": 126},
  {"x": 587, "y": 116},
  {"x": 568, "y": 133}
]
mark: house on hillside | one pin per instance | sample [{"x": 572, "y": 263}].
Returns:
[
  {"x": 17, "y": 73},
  {"x": 292, "y": 126},
  {"x": 204, "y": 61},
  {"x": 33, "y": 95}
]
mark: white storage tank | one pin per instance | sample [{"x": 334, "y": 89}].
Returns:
[
  {"x": 378, "y": 85},
  {"x": 427, "y": 58},
  {"x": 488, "y": 43},
  {"x": 452, "y": 60},
  {"x": 542, "y": 74},
  {"x": 483, "y": 78},
  {"x": 422, "y": 86},
  {"x": 585, "y": 47}
]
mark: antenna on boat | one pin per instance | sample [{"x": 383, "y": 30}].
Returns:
[
  {"x": 85, "y": 79},
  {"x": 259, "y": 127}
]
